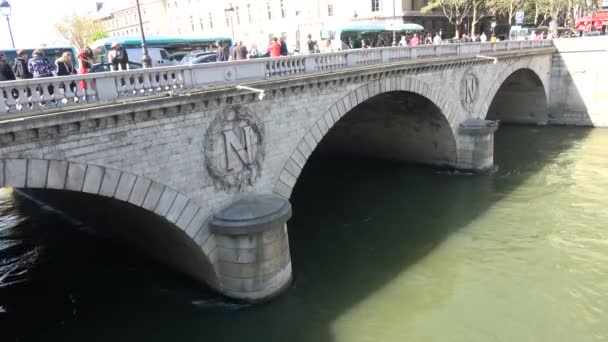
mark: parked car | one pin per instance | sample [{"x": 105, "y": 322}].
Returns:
[
  {"x": 209, "y": 58},
  {"x": 195, "y": 54},
  {"x": 160, "y": 57},
  {"x": 178, "y": 56},
  {"x": 262, "y": 54},
  {"x": 101, "y": 67}
]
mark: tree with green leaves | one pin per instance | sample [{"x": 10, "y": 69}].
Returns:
[
  {"x": 80, "y": 31},
  {"x": 454, "y": 10},
  {"x": 552, "y": 9},
  {"x": 479, "y": 9},
  {"x": 98, "y": 35},
  {"x": 508, "y": 8}
]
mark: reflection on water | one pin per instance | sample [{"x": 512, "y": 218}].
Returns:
[{"x": 381, "y": 252}]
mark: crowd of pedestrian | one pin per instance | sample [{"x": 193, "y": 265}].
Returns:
[
  {"x": 39, "y": 66},
  {"x": 226, "y": 52}
]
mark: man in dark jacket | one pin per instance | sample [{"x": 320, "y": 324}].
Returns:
[
  {"x": 20, "y": 68},
  {"x": 221, "y": 53},
  {"x": 284, "y": 51},
  {"x": 118, "y": 57},
  {"x": 6, "y": 73}
]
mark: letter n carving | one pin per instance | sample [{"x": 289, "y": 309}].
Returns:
[{"x": 242, "y": 148}]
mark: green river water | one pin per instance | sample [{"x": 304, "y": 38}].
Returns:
[{"x": 381, "y": 252}]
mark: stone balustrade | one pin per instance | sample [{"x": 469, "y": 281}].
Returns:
[{"x": 34, "y": 95}]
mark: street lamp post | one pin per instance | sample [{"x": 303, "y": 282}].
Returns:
[
  {"x": 592, "y": 9},
  {"x": 6, "y": 9},
  {"x": 146, "y": 61},
  {"x": 394, "y": 24},
  {"x": 231, "y": 10}
]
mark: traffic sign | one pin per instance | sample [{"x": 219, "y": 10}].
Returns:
[{"x": 519, "y": 17}]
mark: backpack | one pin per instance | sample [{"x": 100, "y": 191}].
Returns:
[{"x": 20, "y": 69}]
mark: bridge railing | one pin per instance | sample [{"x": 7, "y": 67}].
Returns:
[{"x": 55, "y": 92}]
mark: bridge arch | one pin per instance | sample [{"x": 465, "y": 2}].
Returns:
[
  {"x": 523, "y": 88},
  {"x": 295, "y": 163},
  {"x": 186, "y": 228}
]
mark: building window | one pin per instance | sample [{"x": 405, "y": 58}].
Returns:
[
  {"x": 375, "y": 5},
  {"x": 175, "y": 4},
  {"x": 227, "y": 19},
  {"x": 330, "y": 10},
  {"x": 283, "y": 9},
  {"x": 192, "y": 23},
  {"x": 269, "y": 9},
  {"x": 201, "y": 22},
  {"x": 249, "y": 12},
  {"x": 238, "y": 16},
  {"x": 210, "y": 21}
]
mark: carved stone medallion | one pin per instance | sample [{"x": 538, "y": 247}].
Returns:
[
  {"x": 469, "y": 90},
  {"x": 234, "y": 148}
]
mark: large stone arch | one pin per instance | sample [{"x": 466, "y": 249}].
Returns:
[
  {"x": 519, "y": 64},
  {"x": 154, "y": 197},
  {"x": 295, "y": 163}
]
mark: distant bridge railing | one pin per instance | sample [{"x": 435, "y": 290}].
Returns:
[{"x": 32, "y": 95}]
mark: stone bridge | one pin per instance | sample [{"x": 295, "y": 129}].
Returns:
[{"x": 219, "y": 162}]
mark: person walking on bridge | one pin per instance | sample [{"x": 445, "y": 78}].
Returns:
[
  {"x": 118, "y": 57},
  {"x": 221, "y": 54},
  {"x": 39, "y": 65},
  {"x": 283, "y": 47},
  {"x": 20, "y": 68},
  {"x": 85, "y": 63},
  {"x": 6, "y": 73},
  {"x": 437, "y": 39},
  {"x": 241, "y": 51},
  {"x": 415, "y": 40},
  {"x": 274, "y": 48},
  {"x": 64, "y": 65},
  {"x": 403, "y": 41},
  {"x": 312, "y": 45}
]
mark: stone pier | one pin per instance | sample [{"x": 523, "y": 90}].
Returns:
[
  {"x": 253, "y": 248},
  {"x": 476, "y": 144}
]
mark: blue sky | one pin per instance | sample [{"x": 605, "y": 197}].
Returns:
[{"x": 33, "y": 21}]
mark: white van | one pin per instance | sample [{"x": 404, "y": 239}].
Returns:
[{"x": 159, "y": 56}]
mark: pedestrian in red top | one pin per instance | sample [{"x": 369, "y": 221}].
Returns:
[
  {"x": 85, "y": 63},
  {"x": 274, "y": 48},
  {"x": 415, "y": 41}
]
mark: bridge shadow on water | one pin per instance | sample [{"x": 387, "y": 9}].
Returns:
[
  {"x": 373, "y": 231},
  {"x": 357, "y": 225}
]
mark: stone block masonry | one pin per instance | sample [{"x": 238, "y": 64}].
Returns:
[{"x": 193, "y": 157}]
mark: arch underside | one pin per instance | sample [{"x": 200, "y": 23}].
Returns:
[
  {"x": 399, "y": 126},
  {"x": 519, "y": 94},
  {"x": 161, "y": 222},
  {"x": 415, "y": 123},
  {"x": 520, "y": 99}
]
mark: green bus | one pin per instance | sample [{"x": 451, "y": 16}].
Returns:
[
  {"x": 350, "y": 35},
  {"x": 52, "y": 53},
  {"x": 160, "y": 48}
]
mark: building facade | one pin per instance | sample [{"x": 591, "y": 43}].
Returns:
[
  {"x": 255, "y": 22},
  {"x": 125, "y": 21}
]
